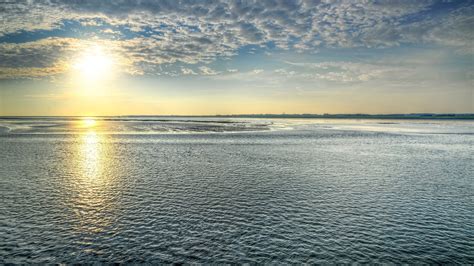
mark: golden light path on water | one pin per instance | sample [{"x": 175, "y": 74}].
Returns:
[
  {"x": 91, "y": 149},
  {"x": 93, "y": 199}
]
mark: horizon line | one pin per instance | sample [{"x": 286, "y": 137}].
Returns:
[{"x": 256, "y": 115}]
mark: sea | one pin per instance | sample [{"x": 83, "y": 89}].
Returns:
[{"x": 146, "y": 189}]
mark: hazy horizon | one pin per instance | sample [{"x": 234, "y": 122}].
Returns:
[{"x": 247, "y": 114}]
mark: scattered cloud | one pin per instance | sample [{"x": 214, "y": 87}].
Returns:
[
  {"x": 151, "y": 33},
  {"x": 207, "y": 71},
  {"x": 341, "y": 71},
  {"x": 187, "y": 71}
]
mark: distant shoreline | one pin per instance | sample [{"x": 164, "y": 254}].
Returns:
[
  {"x": 358, "y": 116},
  {"x": 465, "y": 116}
]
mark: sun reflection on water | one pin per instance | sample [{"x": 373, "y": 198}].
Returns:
[
  {"x": 91, "y": 149},
  {"x": 94, "y": 185},
  {"x": 88, "y": 122}
]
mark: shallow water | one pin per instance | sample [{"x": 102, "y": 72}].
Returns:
[{"x": 231, "y": 190}]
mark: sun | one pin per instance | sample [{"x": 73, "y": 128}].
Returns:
[{"x": 94, "y": 64}]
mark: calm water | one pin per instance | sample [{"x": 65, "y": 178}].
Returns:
[{"x": 219, "y": 190}]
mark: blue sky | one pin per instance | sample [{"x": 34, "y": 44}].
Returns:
[{"x": 218, "y": 57}]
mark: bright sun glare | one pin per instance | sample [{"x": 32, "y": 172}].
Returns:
[
  {"x": 94, "y": 64},
  {"x": 88, "y": 122}
]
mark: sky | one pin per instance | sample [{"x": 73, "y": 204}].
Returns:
[{"x": 131, "y": 57}]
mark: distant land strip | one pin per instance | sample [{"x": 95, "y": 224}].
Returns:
[
  {"x": 456, "y": 116},
  {"x": 359, "y": 116}
]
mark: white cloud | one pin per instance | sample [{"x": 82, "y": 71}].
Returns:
[
  {"x": 207, "y": 71},
  {"x": 187, "y": 71},
  {"x": 198, "y": 32}
]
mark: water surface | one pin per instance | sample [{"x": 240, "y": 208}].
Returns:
[{"x": 151, "y": 189}]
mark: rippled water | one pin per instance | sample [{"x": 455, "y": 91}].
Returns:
[{"x": 220, "y": 190}]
